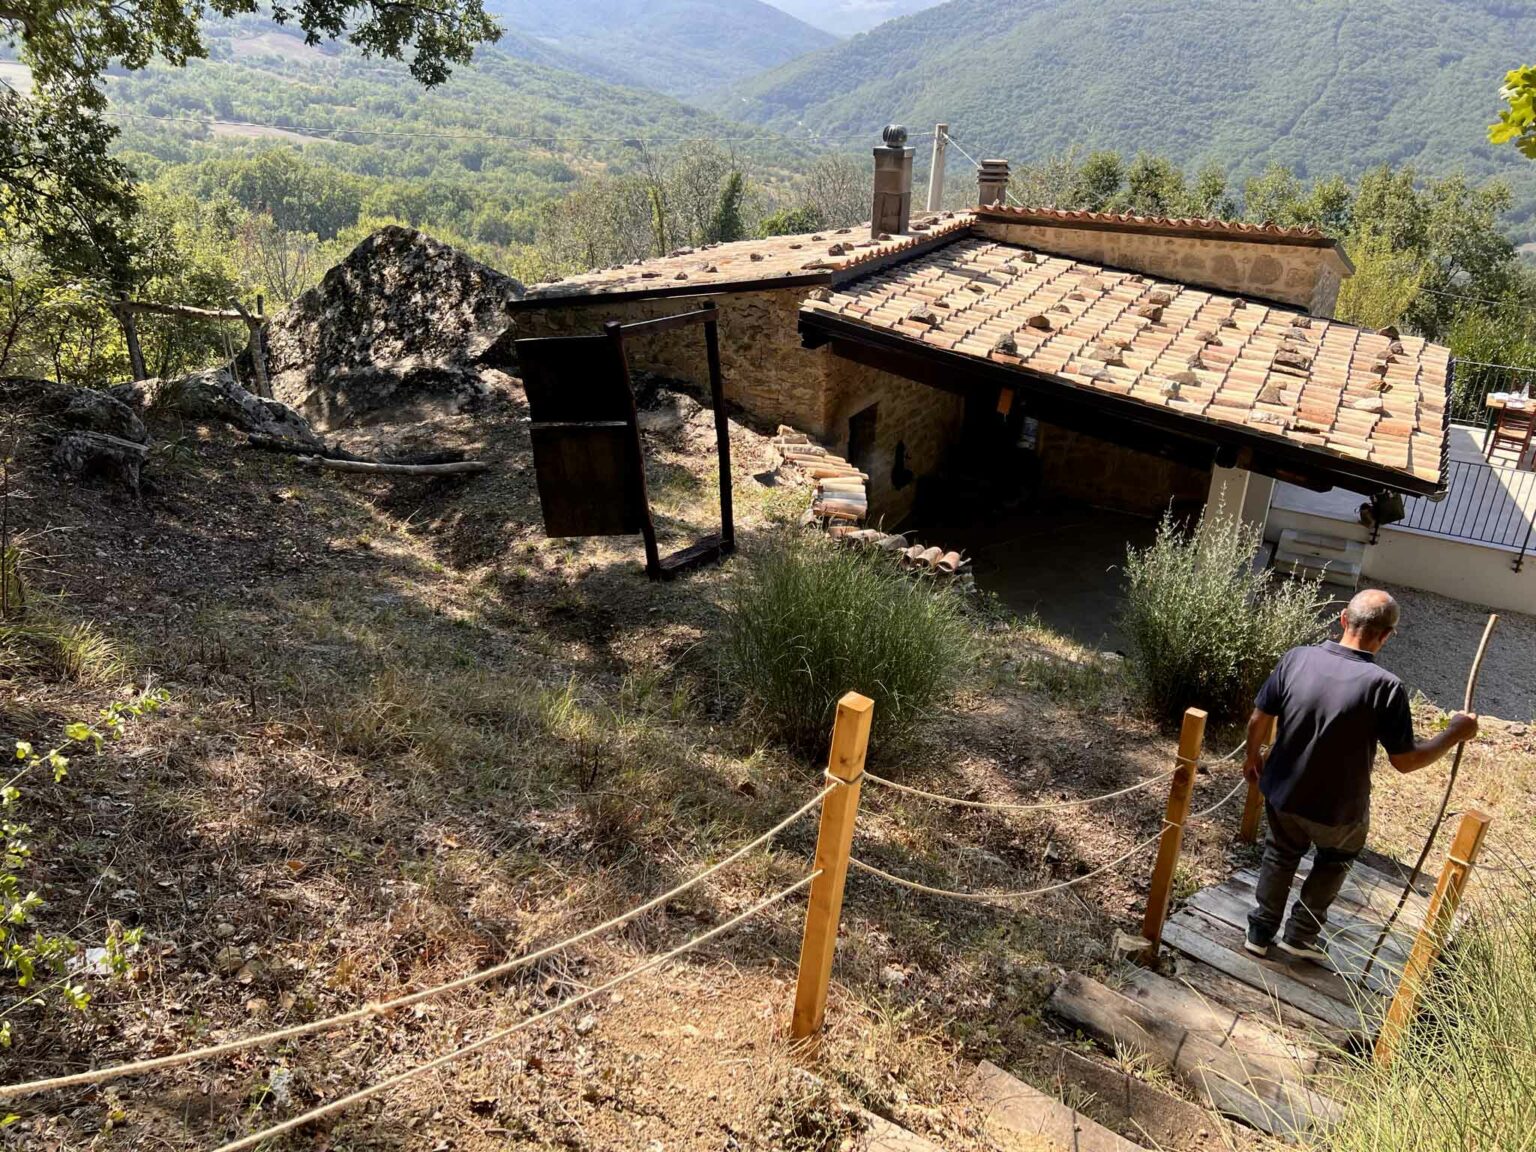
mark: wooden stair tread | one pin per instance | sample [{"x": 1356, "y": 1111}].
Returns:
[
  {"x": 880, "y": 1135},
  {"x": 1257, "y": 1004},
  {"x": 1366, "y": 889},
  {"x": 1140, "y": 1111},
  {"x": 1263, "y": 1091},
  {"x": 1203, "y": 941},
  {"x": 1215, "y": 1022},
  {"x": 1347, "y": 939},
  {"x": 1015, "y": 1108}
]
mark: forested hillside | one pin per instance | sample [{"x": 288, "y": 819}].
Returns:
[
  {"x": 477, "y": 157},
  {"x": 683, "y": 47},
  {"x": 1322, "y": 86}
]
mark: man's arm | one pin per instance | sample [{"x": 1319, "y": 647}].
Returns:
[
  {"x": 1258, "y": 730},
  {"x": 1461, "y": 728}
]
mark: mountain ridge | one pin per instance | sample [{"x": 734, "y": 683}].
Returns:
[
  {"x": 1323, "y": 86},
  {"x": 681, "y": 47}
]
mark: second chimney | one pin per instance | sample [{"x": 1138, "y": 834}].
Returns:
[
  {"x": 992, "y": 182},
  {"x": 893, "y": 184}
]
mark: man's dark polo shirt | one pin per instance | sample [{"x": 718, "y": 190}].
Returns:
[{"x": 1333, "y": 704}]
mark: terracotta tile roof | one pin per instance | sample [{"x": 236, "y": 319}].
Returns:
[
  {"x": 748, "y": 264},
  {"x": 1189, "y": 225},
  {"x": 1273, "y": 370}
]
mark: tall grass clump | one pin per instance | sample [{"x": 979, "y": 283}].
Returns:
[
  {"x": 809, "y": 621},
  {"x": 1204, "y": 627},
  {"x": 1464, "y": 1076}
]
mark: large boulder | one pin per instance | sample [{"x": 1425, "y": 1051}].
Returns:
[
  {"x": 215, "y": 394},
  {"x": 393, "y": 331}
]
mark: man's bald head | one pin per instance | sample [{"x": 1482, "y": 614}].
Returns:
[{"x": 1371, "y": 616}]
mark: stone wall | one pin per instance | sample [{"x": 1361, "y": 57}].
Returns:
[
  {"x": 766, "y": 370},
  {"x": 923, "y": 419},
  {"x": 1110, "y": 476},
  {"x": 1306, "y": 276}
]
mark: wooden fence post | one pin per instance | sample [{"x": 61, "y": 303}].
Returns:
[
  {"x": 1191, "y": 739},
  {"x": 850, "y": 741},
  {"x": 1253, "y": 804},
  {"x": 1432, "y": 936}
]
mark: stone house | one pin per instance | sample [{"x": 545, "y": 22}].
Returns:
[{"x": 1141, "y": 360}]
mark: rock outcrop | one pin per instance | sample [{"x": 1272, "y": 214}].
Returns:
[
  {"x": 215, "y": 394},
  {"x": 394, "y": 330},
  {"x": 91, "y": 433}
]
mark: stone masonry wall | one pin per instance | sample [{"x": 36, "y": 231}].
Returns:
[
  {"x": 766, "y": 370},
  {"x": 1293, "y": 273},
  {"x": 925, "y": 419},
  {"x": 1112, "y": 476}
]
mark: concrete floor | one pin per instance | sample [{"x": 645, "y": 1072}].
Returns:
[{"x": 1062, "y": 562}]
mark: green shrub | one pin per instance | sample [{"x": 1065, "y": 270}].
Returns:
[
  {"x": 809, "y": 621},
  {"x": 1204, "y": 627},
  {"x": 1464, "y": 1071}
]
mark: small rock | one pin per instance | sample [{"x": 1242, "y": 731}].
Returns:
[
  {"x": 585, "y": 1025},
  {"x": 223, "y": 930},
  {"x": 892, "y": 976}
]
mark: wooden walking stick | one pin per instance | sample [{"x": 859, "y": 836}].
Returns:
[{"x": 1445, "y": 802}]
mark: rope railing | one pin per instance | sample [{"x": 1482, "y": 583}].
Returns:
[
  {"x": 1002, "y": 897},
  {"x": 838, "y": 800},
  {"x": 1051, "y": 805},
  {"x": 372, "y": 1010},
  {"x": 383, "y": 1086}
]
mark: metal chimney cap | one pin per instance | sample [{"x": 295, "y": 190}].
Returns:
[{"x": 894, "y": 135}]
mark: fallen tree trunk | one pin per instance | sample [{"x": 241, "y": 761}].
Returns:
[{"x": 369, "y": 467}]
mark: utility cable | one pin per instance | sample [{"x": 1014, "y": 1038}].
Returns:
[
  {"x": 501, "y": 1034},
  {"x": 368, "y": 1011}
]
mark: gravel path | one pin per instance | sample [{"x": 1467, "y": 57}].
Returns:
[{"x": 1436, "y": 640}]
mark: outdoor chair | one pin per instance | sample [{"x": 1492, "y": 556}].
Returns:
[{"x": 1512, "y": 432}]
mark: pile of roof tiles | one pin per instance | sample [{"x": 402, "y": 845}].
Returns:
[{"x": 841, "y": 503}]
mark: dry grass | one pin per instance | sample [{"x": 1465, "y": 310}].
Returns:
[{"x": 408, "y": 737}]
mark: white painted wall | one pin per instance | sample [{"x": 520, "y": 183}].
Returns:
[{"x": 1476, "y": 573}]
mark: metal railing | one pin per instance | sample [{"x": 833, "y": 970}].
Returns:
[{"x": 1484, "y": 504}]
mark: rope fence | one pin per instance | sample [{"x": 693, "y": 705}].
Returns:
[
  {"x": 368, "y": 1093},
  {"x": 371, "y": 1011},
  {"x": 838, "y": 803}
]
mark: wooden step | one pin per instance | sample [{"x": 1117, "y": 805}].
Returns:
[
  {"x": 1264, "y": 1092},
  {"x": 1012, "y": 1108},
  {"x": 1222, "y": 948},
  {"x": 880, "y": 1135},
  {"x": 1139, "y": 1111}
]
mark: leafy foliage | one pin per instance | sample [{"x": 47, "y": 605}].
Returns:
[
  {"x": 810, "y": 621},
  {"x": 1517, "y": 123},
  {"x": 40, "y": 962},
  {"x": 1205, "y": 628},
  {"x": 59, "y": 178}
]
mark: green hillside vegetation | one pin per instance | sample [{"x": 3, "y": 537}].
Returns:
[
  {"x": 1321, "y": 86},
  {"x": 682, "y": 47}
]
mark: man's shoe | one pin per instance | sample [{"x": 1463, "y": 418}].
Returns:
[
  {"x": 1255, "y": 944},
  {"x": 1305, "y": 952}
]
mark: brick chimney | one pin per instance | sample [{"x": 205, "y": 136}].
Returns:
[
  {"x": 893, "y": 184},
  {"x": 992, "y": 182}
]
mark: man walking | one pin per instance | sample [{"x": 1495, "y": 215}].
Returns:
[{"x": 1333, "y": 704}]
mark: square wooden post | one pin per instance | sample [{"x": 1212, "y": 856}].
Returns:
[
  {"x": 1191, "y": 740},
  {"x": 1253, "y": 803},
  {"x": 1432, "y": 936},
  {"x": 850, "y": 742}
]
